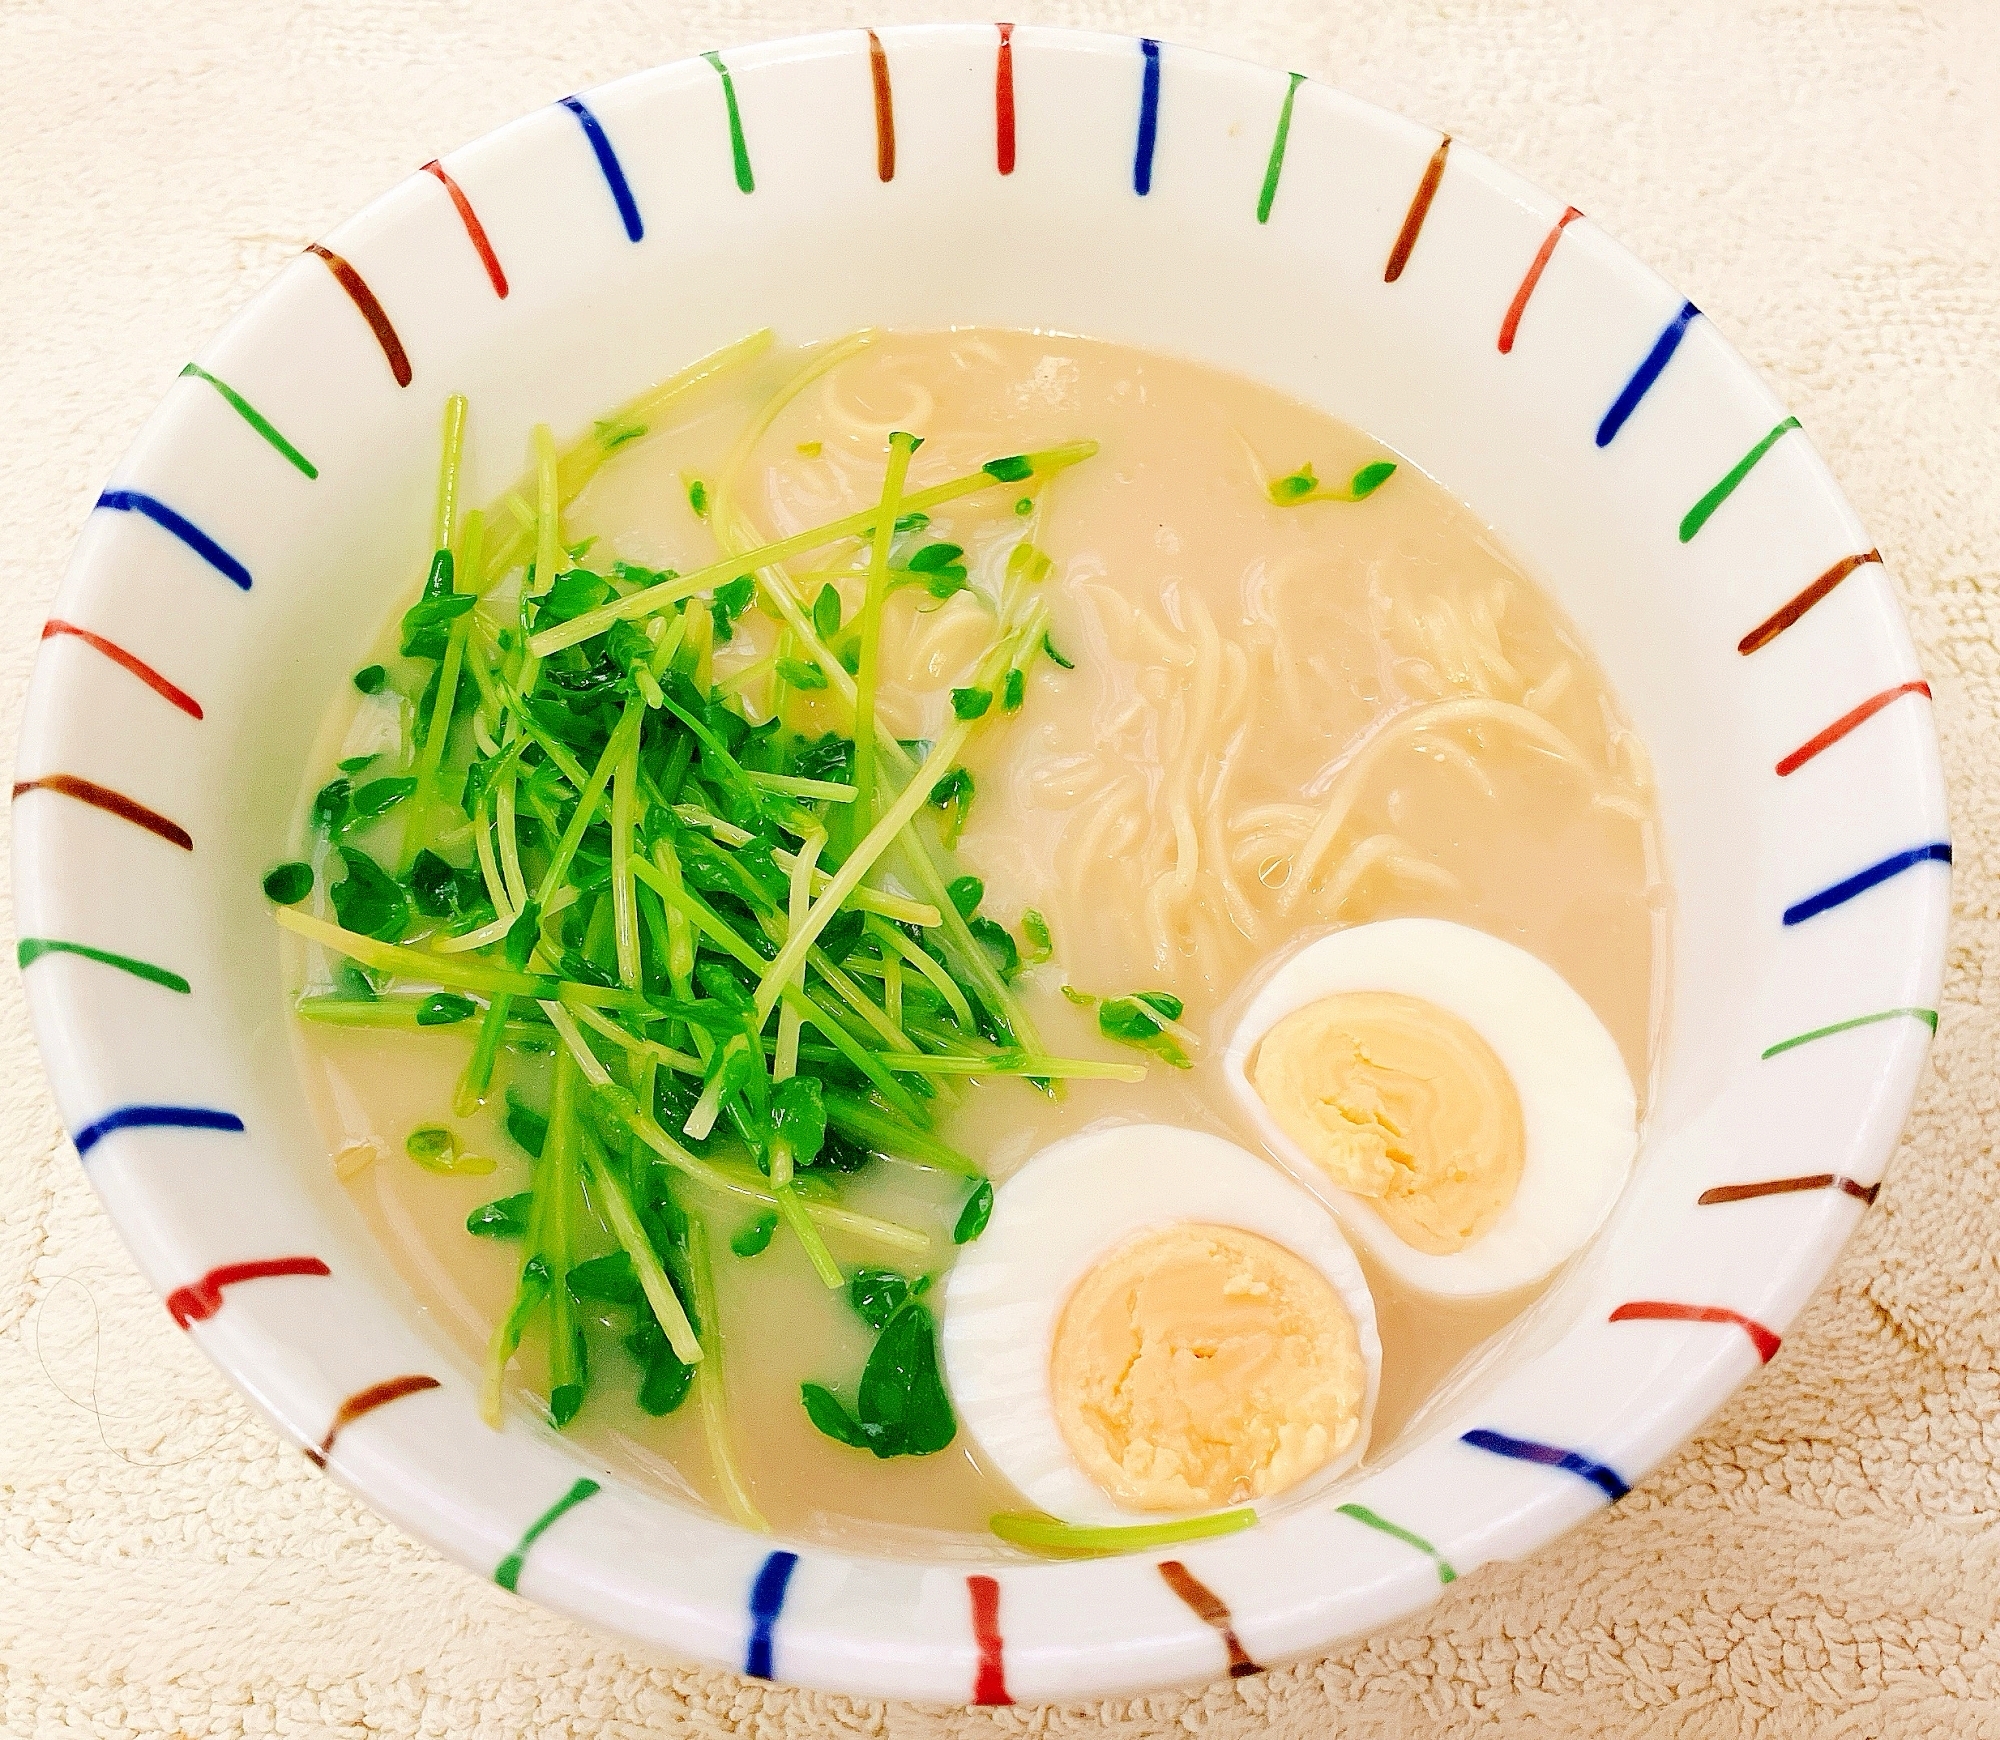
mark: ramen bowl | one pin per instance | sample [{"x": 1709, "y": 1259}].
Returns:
[{"x": 251, "y": 544}]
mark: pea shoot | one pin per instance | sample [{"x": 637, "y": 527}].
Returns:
[{"x": 717, "y": 959}]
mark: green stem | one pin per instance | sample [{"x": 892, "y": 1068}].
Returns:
[
  {"x": 476, "y": 1081},
  {"x": 901, "y": 446},
  {"x": 445, "y": 517},
  {"x": 616, "y": 1202},
  {"x": 891, "y": 1136},
  {"x": 711, "y": 1396},
  {"x": 1047, "y": 1534},
  {"x": 625, "y": 921},
  {"x": 657, "y": 598}
]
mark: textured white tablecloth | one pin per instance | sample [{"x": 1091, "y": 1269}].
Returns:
[{"x": 1824, "y": 180}]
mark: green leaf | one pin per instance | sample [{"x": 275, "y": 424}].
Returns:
[
  {"x": 564, "y": 1401},
  {"x": 912, "y": 522},
  {"x": 523, "y": 934},
  {"x": 997, "y": 942},
  {"x": 698, "y": 498},
  {"x": 800, "y": 674},
  {"x": 753, "y": 1237},
  {"x": 1015, "y": 690},
  {"x": 878, "y": 1294},
  {"x": 379, "y": 796},
  {"x": 368, "y": 900},
  {"x": 955, "y": 787},
  {"x": 610, "y": 1278},
  {"x": 529, "y": 1129},
  {"x": 972, "y": 1218},
  {"x": 445, "y": 1009},
  {"x": 1136, "y": 1021},
  {"x": 1286, "y": 490},
  {"x": 966, "y": 892},
  {"x": 1026, "y": 505},
  {"x": 329, "y": 805},
  {"x": 1370, "y": 478},
  {"x": 433, "y": 884},
  {"x": 902, "y": 1391},
  {"x": 288, "y": 884},
  {"x": 823, "y": 1408},
  {"x": 371, "y": 679},
  {"x": 355, "y": 763},
  {"x": 1013, "y": 469},
  {"x": 441, "y": 578},
  {"x": 1041, "y": 945},
  {"x": 505, "y": 1218},
  {"x": 826, "y": 612},
  {"x": 933, "y": 557},
  {"x": 728, "y": 603},
  {"x": 435, "y": 1149},
  {"x": 666, "y": 1384},
  {"x": 798, "y": 1116},
  {"x": 971, "y": 703},
  {"x": 427, "y": 623}
]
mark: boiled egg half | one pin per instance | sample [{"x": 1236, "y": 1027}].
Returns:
[
  {"x": 1156, "y": 1323},
  {"x": 1459, "y": 1107}
]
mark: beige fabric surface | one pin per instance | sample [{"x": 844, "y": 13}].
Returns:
[{"x": 1824, "y": 180}]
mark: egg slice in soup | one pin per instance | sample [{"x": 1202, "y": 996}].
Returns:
[
  {"x": 1456, "y": 1103},
  {"x": 1156, "y": 1322}
]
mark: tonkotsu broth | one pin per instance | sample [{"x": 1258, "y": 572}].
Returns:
[{"x": 1234, "y": 659}]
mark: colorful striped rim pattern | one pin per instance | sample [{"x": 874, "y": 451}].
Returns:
[
  {"x": 1936, "y": 852},
  {"x": 1726, "y": 1193},
  {"x": 989, "y": 1683},
  {"x": 1604, "y": 1478},
  {"x": 132, "y": 501},
  {"x": 1212, "y": 1611},
  {"x": 366, "y": 1402},
  {"x": 508, "y": 1572},
  {"x": 885, "y": 109},
  {"x": 1149, "y": 117},
  {"x": 31, "y": 949},
  {"x": 1788, "y": 613},
  {"x": 1667, "y": 1311},
  {"x": 1927, "y": 1016},
  {"x": 475, "y": 231},
  {"x": 1275, "y": 165},
  {"x": 739, "y": 150},
  {"x": 1420, "y": 208},
  {"x": 256, "y": 419},
  {"x": 1700, "y": 514},
  {"x": 769, "y": 1588},
  {"x": 1822, "y": 741},
  {"x": 767, "y": 1601},
  {"x": 1382, "y": 1525},
  {"x": 112, "y": 803},
  {"x": 153, "y": 1118},
  {"x": 172, "y": 693},
  {"x": 371, "y": 311},
  {"x": 1643, "y": 377},
  {"x": 201, "y": 1299},
  {"x": 612, "y": 170},
  {"x": 1510, "y": 323},
  {"x": 1003, "y": 102}
]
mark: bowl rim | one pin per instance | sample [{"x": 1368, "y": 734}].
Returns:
[{"x": 948, "y": 1627}]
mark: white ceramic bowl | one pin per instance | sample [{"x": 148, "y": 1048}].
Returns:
[{"x": 959, "y": 175}]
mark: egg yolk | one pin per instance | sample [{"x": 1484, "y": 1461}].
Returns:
[
  {"x": 1199, "y": 1366},
  {"x": 1401, "y": 1102}
]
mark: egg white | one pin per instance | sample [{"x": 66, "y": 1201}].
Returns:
[
  {"x": 1067, "y": 1208},
  {"x": 1579, "y": 1113}
]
